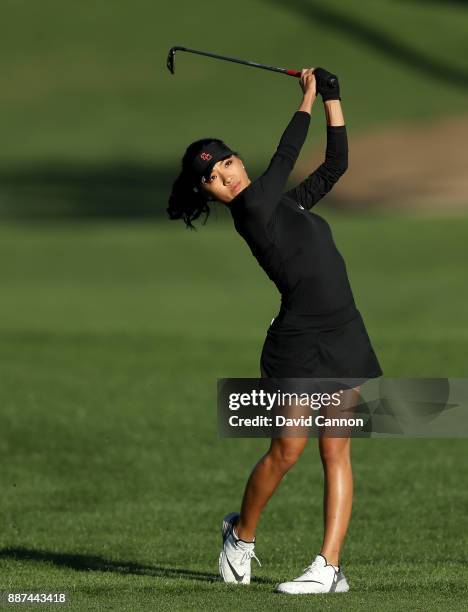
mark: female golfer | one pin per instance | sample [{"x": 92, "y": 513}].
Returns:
[{"x": 318, "y": 333}]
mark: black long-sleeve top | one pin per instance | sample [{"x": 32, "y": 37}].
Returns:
[{"x": 295, "y": 247}]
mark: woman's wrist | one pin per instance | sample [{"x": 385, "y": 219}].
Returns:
[
  {"x": 307, "y": 102},
  {"x": 334, "y": 113}
]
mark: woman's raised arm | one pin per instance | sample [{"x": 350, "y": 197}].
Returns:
[
  {"x": 321, "y": 181},
  {"x": 268, "y": 188}
]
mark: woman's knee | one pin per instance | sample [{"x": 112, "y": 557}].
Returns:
[
  {"x": 334, "y": 450},
  {"x": 284, "y": 452}
]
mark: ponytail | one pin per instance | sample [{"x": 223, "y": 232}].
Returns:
[
  {"x": 186, "y": 203},
  {"x": 187, "y": 200}
]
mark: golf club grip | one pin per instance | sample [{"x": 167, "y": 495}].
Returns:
[{"x": 331, "y": 81}]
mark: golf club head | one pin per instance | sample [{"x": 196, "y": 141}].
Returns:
[{"x": 170, "y": 59}]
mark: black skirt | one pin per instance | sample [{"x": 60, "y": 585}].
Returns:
[{"x": 310, "y": 346}]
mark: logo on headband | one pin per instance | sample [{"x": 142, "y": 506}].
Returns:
[{"x": 206, "y": 156}]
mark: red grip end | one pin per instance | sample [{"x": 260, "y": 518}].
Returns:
[{"x": 293, "y": 73}]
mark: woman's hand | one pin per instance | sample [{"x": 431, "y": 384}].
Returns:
[
  {"x": 327, "y": 85},
  {"x": 307, "y": 82},
  {"x": 308, "y": 86}
]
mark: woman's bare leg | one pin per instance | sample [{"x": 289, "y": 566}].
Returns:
[
  {"x": 265, "y": 477},
  {"x": 338, "y": 494},
  {"x": 338, "y": 484}
]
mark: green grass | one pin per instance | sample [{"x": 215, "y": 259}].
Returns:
[
  {"x": 87, "y": 81},
  {"x": 112, "y": 336},
  {"x": 114, "y": 478}
]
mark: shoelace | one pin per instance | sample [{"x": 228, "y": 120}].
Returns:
[{"x": 250, "y": 554}]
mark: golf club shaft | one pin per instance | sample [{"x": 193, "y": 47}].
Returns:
[{"x": 294, "y": 73}]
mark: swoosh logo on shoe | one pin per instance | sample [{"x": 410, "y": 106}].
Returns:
[
  {"x": 237, "y": 576},
  {"x": 310, "y": 581}
]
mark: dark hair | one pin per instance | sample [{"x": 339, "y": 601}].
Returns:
[{"x": 184, "y": 202}]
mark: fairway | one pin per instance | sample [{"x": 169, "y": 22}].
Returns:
[
  {"x": 114, "y": 478},
  {"x": 115, "y": 324}
]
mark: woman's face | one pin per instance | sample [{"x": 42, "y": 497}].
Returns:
[{"x": 228, "y": 178}]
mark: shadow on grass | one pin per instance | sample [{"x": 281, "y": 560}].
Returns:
[
  {"x": 378, "y": 40},
  {"x": 59, "y": 190},
  {"x": 92, "y": 563}
]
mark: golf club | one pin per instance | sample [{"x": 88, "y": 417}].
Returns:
[{"x": 294, "y": 73}]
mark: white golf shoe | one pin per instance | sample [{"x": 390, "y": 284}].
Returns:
[
  {"x": 319, "y": 577},
  {"x": 236, "y": 555}
]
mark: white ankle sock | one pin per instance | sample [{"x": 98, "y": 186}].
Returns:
[{"x": 238, "y": 538}]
